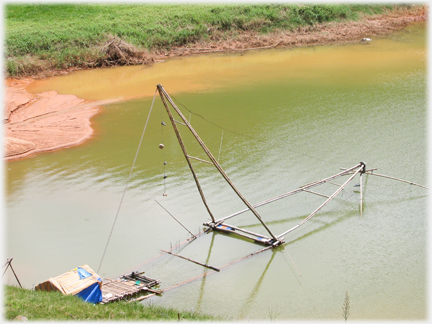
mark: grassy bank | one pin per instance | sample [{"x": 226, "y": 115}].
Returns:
[
  {"x": 59, "y": 36},
  {"x": 40, "y": 305}
]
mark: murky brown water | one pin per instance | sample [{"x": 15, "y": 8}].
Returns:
[{"x": 289, "y": 117}]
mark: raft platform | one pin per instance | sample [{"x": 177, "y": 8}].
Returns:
[{"x": 127, "y": 286}]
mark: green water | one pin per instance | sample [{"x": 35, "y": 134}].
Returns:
[{"x": 288, "y": 117}]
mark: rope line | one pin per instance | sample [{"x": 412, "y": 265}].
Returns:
[
  {"x": 164, "y": 156},
  {"x": 301, "y": 285},
  {"x": 220, "y": 147},
  {"x": 127, "y": 183},
  {"x": 291, "y": 260}
]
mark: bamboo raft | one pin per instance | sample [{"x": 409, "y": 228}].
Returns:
[{"x": 127, "y": 286}]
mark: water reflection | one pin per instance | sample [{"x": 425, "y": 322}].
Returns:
[{"x": 289, "y": 117}]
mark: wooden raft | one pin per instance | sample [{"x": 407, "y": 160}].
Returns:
[{"x": 127, "y": 286}]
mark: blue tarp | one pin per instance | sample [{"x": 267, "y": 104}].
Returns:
[
  {"x": 91, "y": 294},
  {"x": 83, "y": 273},
  {"x": 81, "y": 281}
]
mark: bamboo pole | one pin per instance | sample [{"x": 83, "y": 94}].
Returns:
[
  {"x": 221, "y": 268},
  {"x": 141, "y": 298},
  {"x": 9, "y": 264},
  {"x": 316, "y": 193},
  {"x": 323, "y": 204},
  {"x": 406, "y": 181},
  {"x": 246, "y": 231},
  {"x": 176, "y": 219},
  {"x": 301, "y": 189},
  {"x": 199, "y": 263},
  {"x": 198, "y": 159},
  {"x": 181, "y": 244},
  {"x": 212, "y": 158},
  {"x": 361, "y": 193}
]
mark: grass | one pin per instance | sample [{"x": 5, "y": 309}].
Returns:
[
  {"x": 59, "y": 36},
  {"x": 346, "y": 307},
  {"x": 41, "y": 305}
]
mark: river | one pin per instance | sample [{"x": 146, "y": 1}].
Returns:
[{"x": 275, "y": 119}]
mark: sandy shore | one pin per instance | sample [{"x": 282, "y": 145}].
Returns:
[
  {"x": 44, "y": 122},
  {"x": 49, "y": 121}
]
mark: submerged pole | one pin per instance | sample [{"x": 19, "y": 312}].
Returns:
[
  {"x": 361, "y": 194},
  {"x": 193, "y": 261},
  {"x": 393, "y": 178},
  {"x": 176, "y": 219}
]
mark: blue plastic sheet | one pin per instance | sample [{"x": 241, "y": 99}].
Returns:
[
  {"x": 83, "y": 273},
  {"x": 92, "y": 294}
]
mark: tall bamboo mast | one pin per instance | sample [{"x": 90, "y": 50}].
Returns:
[
  {"x": 173, "y": 122},
  {"x": 163, "y": 94}
]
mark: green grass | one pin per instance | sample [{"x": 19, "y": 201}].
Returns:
[
  {"x": 59, "y": 36},
  {"x": 40, "y": 305}
]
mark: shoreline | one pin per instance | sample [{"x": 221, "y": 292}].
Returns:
[
  {"x": 44, "y": 122},
  {"x": 332, "y": 33},
  {"x": 35, "y": 123}
]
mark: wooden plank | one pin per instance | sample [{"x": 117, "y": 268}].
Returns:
[
  {"x": 125, "y": 287},
  {"x": 247, "y": 234}
]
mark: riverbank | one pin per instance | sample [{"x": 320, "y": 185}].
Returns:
[
  {"x": 49, "y": 121},
  {"x": 332, "y": 33},
  {"x": 53, "y": 306},
  {"x": 44, "y": 122}
]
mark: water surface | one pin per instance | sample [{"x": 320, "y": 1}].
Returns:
[{"x": 287, "y": 117}]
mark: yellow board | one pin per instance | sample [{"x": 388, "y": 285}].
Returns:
[{"x": 70, "y": 283}]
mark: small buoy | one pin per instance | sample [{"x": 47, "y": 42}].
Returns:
[
  {"x": 161, "y": 146},
  {"x": 165, "y": 194}
]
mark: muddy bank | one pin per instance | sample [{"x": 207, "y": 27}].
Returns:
[
  {"x": 319, "y": 34},
  {"x": 45, "y": 121},
  {"x": 48, "y": 121}
]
